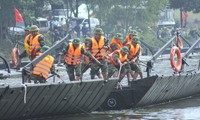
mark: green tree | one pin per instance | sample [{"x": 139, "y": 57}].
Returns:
[
  {"x": 187, "y": 5},
  {"x": 126, "y": 12}
]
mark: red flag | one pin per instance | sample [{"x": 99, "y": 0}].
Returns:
[{"x": 18, "y": 16}]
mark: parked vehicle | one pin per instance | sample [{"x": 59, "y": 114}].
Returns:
[
  {"x": 17, "y": 31},
  {"x": 59, "y": 12},
  {"x": 166, "y": 23},
  {"x": 43, "y": 24},
  {"x": 93, "y": 22}
]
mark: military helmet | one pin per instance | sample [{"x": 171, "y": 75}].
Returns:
[
  {"x": 27, "y": 28},
  {"x": 87, "y": 39},
  {"x": 98, "y": 31},
  {"x": 125, "y": 50},
  {"x": 135, "y": 39},
  {"x": 34, "y": 28},
  {"x": 76, "y": 41},
  {"x": 44, "y": 48},
  {"x": 118, "y": 36},
  {"x": 133, "y": 32}
]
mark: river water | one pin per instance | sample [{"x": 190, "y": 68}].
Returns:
[{"x": 186, "y": 109}]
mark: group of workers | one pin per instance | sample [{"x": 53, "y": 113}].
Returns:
[{"x": 105, "y": 58}]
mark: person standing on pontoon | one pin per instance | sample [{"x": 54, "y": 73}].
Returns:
[
  {"x": 118, "y": 59},
  {"x": 73, "y": 54},
  {"x": 133, "y": 56}
]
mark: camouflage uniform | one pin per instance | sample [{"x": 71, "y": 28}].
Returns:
[
  {"x": 113, "y": 68},
  {"x": 87, "y": 64},
  {"x": 33, "y": 28},
  {"x": 136, "y": 66},
  {"x": 75, "y": 68},
  {"x": 94, "y": 66}
]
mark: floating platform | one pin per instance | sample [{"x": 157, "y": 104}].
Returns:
[
  {"x": 153, "y": 90},
  {"x": 40, "y": 100}
]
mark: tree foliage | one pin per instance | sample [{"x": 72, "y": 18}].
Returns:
[
  {"x": 117, "y": 15},
  {"x": 126, "y": 13},
  {"x": 187, "y": 5}
]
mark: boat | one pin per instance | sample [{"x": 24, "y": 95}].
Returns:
[
  {"x": 88, "y": 96},
  {"x": 50, "y": 99},
  {"x": 153, "y": 90},
  {"x": 157, "y": 89},
  {"x": 27, "y": 100}
]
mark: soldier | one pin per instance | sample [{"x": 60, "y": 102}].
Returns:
[
  {"x": 134, "y": 48},
  {"x": 116, "y": 43},
  {"x": 42, "y": 69},
  {"x": 118, "y": 59},
  {"x": 86, "y": 63},
  {"x": 73, "y": 54},
  {"x": 99, "y": 47},
  {"x": 36, "y": 41},
  {"x": 26, "y": 47},
  {"x": 131, "y": 34}
]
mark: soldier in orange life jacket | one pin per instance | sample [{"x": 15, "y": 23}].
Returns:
[
  {"x": 99, "y": 47},
  {"x": 36, "y": 41},
  {"x": 133, "y": 56},
  {"x": 42, "y": 69},
  {"x": 86, "y": 63},
  {"x": 73, "y": 54},
  {"x": 26, "y": 47},
  {"x": 116, "y": 43},
  {"x": 116, "y": 59},
  {"x": 131, "y": 34}
]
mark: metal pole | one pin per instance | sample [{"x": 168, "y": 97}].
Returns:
[
  {"x": 39, "y": 58},
  {"x": 186, "y": 41},
  {"x": 159, "y": 52},
  {"x": 191, "y": 48}
]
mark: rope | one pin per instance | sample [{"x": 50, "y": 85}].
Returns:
[
  {"x": 61, "y": 79},
  {"x": 120, "y": 68},
  {"x": 25, "y": 92},
  {"x": 119, "y": 84}
]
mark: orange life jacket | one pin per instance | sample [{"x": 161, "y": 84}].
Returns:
[
  {"x": 114, "y": 41},
  {"x": 128, "y": 39},
  {"x": 122, "y": 58},
  {"x": 43, "y": 67},
  {"x": 26, "y": 45},
  {"x": 96, "y": 46},
  {"x": 34, "y": 43},
  {"x": 133, "y": 50},
  {"x": 73, "y": 56}
]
